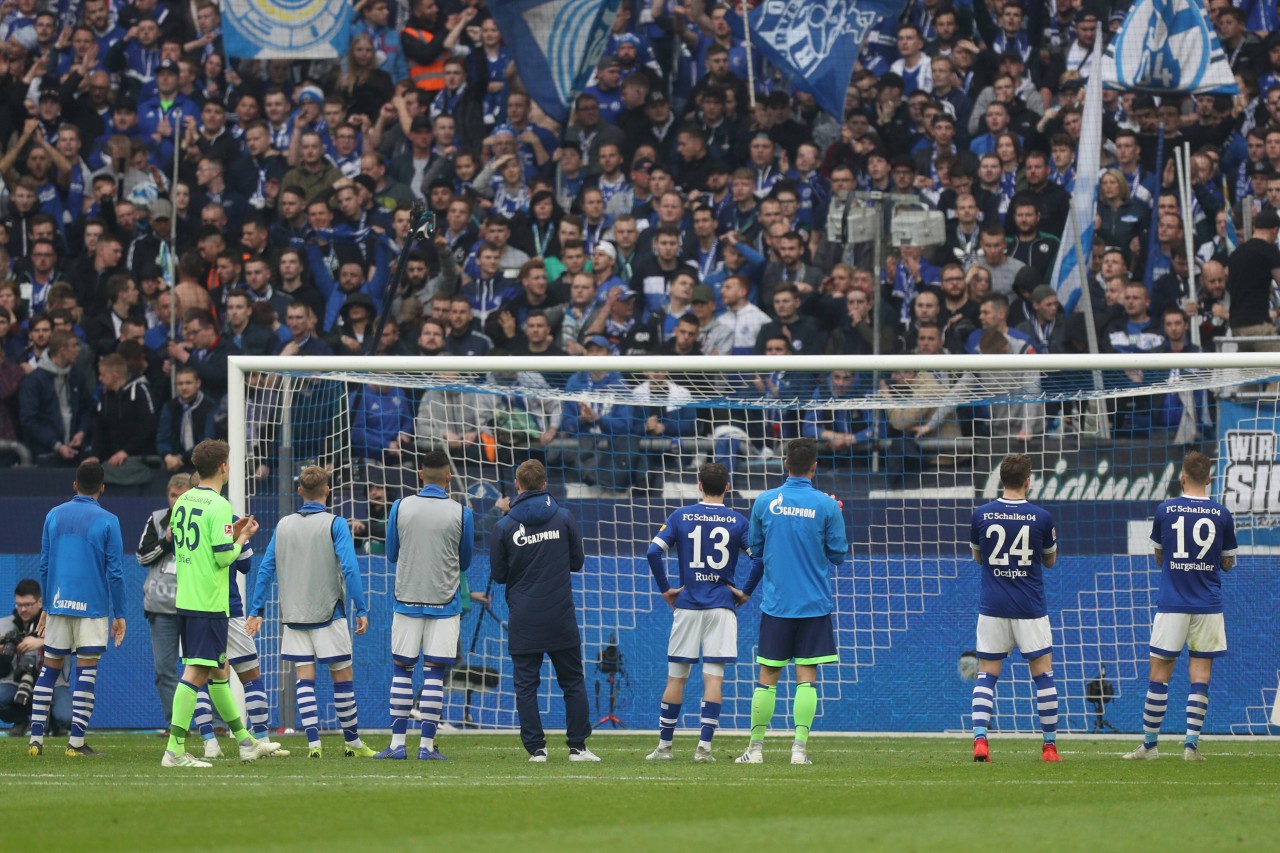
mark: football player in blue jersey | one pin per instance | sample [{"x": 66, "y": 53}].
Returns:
[
  {"x": 1014, "y": 541},
  {"x": 708, "y": 538},
  {"x": 82, "y": 562},
  {"x": 1195, "y": 542},
  {"x": 798, "y": 535}
]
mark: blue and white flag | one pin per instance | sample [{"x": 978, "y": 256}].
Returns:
[
  {"x": 1166, "y": 47},
  {"x": 1071, "y": 270},
  {"x": 286, "y": 29},
  {"x": 556, "y": 44},
  {"x": 815, "y": 42}
]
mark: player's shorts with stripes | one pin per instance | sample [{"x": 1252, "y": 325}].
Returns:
[
  {"x": 434, "y": 640},
  {"x": 329, "y": 644},
  {"x": 998, "y": 635},
  {"x": 203, "y": 638},
  {"x": 242, "y": 651},
  {"x": 1204, "y": 635},
  {"x": 708, "y": 635},
  {"x": 75, "y": 635},
  {"x": 810, "y": 640}
]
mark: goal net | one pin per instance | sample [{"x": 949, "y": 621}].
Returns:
[{"x": 910, "y": 444}]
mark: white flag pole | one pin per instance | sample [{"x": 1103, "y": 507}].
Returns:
[
  {"x": 745, "y": 11},
  {"x": 1183, "y": 155}
]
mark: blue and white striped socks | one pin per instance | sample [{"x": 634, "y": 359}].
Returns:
[
  {"x": 1197, "y": 707},
  {"x": 255, "y": 706},
  {"x": 307, "y": 713},
  {"x": 41, "y": 699},
  {"x": 82, "y": 703},
  {"x": 202, "y": 719},
  {"x": 984, "y": 701},
  {"x": 668, "y": 718},
  {"x": 710, "y": 722},
  {"x": 431, "y": 704},
  {"x": 344, "y": 702},
  {"x": 401, "y": 702},
  {"x": 1047, "y": 705},
  {"x": 1153, "y": 712}
]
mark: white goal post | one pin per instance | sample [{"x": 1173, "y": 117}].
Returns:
[{"x": 1106, "y": 434}]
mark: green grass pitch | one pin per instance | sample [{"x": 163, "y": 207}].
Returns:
[{"x": 861, "y": 793}]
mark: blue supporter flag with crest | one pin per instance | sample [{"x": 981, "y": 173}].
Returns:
[
  {"x": 1166, "y": 47},
  {"x": 556, "y": 44},
  {"x": 286, "y": 29},
  {"x": 815, "y": 42}
]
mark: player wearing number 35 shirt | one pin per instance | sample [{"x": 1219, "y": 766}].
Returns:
[
  {"x": 708, "y": 538},
  {"x": 1195, "y": 542},
  {"x": 1014, "y": 541}
]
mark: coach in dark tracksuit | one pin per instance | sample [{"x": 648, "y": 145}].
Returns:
[{"x": 532, "y": 551}]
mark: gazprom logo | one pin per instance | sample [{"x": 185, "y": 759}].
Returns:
[
  {"x": 61, "y": 603},
  {"x": 776, "y": 508},
  {"x": 520, "y": 538}
]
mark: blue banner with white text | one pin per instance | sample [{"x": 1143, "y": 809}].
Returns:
[{"x": 1247, "y": 477}]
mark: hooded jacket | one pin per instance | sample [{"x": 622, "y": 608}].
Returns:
[
  {"x": 45, "y": 421},
  {"x": 532, "y": 551}
]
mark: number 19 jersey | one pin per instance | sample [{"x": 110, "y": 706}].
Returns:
[
  {"x": 1011, "y": 537},
  {"x": 1194, "y": 534},
  {"x": 708, "y": 539}
]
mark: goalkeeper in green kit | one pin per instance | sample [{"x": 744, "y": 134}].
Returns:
[{"x": 206, "y": 543}]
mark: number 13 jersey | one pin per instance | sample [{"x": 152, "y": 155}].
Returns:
[
  {"x": 708, "y": 539},
  {"x": 1012, "y": 536}
]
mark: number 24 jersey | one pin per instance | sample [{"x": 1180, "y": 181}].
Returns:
[{"x": 1012, "y": 536}]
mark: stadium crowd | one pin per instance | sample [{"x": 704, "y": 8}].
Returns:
[{"x": 667, "y": 215}]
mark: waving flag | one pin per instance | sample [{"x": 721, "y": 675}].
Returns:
[
  {"x": 1164, "y": 47},
  {"x": 302, "y": 29},
  {"x": 816, "y": 42},
  {"x": 556, "y": 44},
  {"x": 1071, "y": 270}
]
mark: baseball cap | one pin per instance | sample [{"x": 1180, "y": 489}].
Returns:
[
  {"x": 310, "y": 95},
  {"x": 1262, "y": 167},
  {"x": 624, "y": 293},
  {"x": 167, "y": 67},
  {"x": 369, "y": 183},
  {"x": 161, "y": 208},
  {"x": 607, "y": 62},
  {"x": 655, "y": 96},
  {"x": 598, "y": 341},
  {"x": 703, "y": 293},
  {"x": 506, "y": 129},
  {"x": 644, "y": 164},
  {"x": 607, "y": 248}
]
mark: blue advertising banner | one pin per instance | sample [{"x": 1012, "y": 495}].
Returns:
[{"x": 1247, "y": 477}]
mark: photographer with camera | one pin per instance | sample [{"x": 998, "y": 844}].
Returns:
[{"x": 21, "y": 652}]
